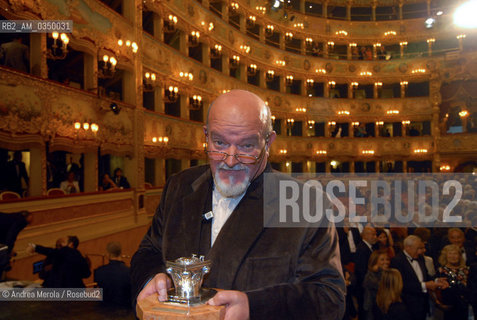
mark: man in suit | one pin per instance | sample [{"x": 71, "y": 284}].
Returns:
[
  {"x": 266, "y": 273},
  {"x": 457, "y": 236},
  {"x": 114, "y": 278},
  {"x": 10, "y": 226},
  {"x": 416, "y": 281},
  {"x": 69, "y": 266},
  {"x": 15, "y": 172},
  {"x": 120, "y": 180},
  {"x": 349, "y": 239},
  {"x": 363, "y": 252}
]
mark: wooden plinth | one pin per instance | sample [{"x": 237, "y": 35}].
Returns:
[{"x": 152, "y": 309}]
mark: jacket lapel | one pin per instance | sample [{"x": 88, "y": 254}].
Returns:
[
  {"x": 236, "y": 237},
  {"x": 194, "y": 205}
]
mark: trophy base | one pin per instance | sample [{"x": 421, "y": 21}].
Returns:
[
  {"x": 152, "y": 309},
  {"x": 204, "y": 295}
]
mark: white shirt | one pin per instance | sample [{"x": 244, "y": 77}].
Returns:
[
  {"x": 417, "y": 270},
  {"x": 222, "y": 209},
  {"x": 352, "y": 246}
]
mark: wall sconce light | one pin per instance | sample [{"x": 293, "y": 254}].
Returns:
[
  {"x": 170, "y": 23},
  {"x": 406, "y": 122},
  {"x": 308, "y": 42},
  {"x": 195, "y": 102},
  {"x": 289, "y": 80},
  {"x": 186, "y": 75},
  {"x": 234, "y": 6},
  {"x": 210, "y": 27},
  {"x": 251, "y": 21},
  {"x": 366, "y": 74},
  {"x": 331, "y": 84},
  {"x": 367, "y": 152},
  {"x": 194, "y": 38},
  {"x": 355, "y": 123},
  {"x": 161, "y": 140},
  {"x": 341, "y": 33},
  {"x": 353, "y": 45},
  {"x": 392, "y": 112},
  {"x": 299, "y": 25},
  {"x": 172, "y": 93},
  {"x": 343, "y": 113},
  {"x": 149, "y": 82},
  {"x": 311, "y": 124},
  {"x": 378, "y": 84},
  {"x": 377, "y": 45},
  {"x": 290, "y": 122},
  {"x": 283, "y": 151},
  {"x": 252, "y": 70},
  {"x": 86, "y": 126},
  {"x": 216, "y": 51},
  {"x": 332, "y": 123},
  {"x": 419, "y": 70},
  {"x": 57, "y": 52},
  {"x": 420, "y": 150},
  {"x": 234, "y": 62},
  {"x": 354, "y": 85},
  {"x": 261, "y": 9},
  {"x": 404, "y": 84},
  {"x": 300, "y": 110},
  {"x": 431, "y": 40},
  {"x": 133, "y": 45},
  {"x": 463, "y": 113},
  {"x": 244, "y": 48},
  {"x": 288, "y": 36},
  {"x": 331, "y": 44},
  {"x": 390, "y": 33},
  {"x": 461, "y": 36},
  {"x": 379, "y": 123},
  {"x": 310, "y": 83},
  {"x": 270, "y": 75},
  {"x": 321, "y": 70},
  {"x": 106, "y": 67},
  {"x": 269, "y": 30},
  {"x": 281, "y": 63},
  {"x": 445, "y": 167},
  {"x": 321, "y": 152}
]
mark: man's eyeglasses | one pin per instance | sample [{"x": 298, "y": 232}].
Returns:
[{"x": 242, "y": 158}]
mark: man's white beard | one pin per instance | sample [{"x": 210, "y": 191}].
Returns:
[{"x": 232, "y": 189}]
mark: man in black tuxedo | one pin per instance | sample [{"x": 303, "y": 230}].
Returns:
[
  {"x": 416, "y": 281},
  {"x": 15, "y": 171},
  {"x": 349, "y": 239},
  {"x": 363, "y": 252},
  {"x": 114, "y": 278},
  {"x": 266, "y": 273}
]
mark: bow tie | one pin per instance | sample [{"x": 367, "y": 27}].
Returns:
[{"x": 412, "y": 259}]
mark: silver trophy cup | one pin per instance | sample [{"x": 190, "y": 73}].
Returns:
[{"x": 188, "y": 275}]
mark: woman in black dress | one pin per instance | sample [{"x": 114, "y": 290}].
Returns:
[{"x": 388, "y": 300}]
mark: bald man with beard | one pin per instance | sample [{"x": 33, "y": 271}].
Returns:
[{"x": 265, "y": 273}]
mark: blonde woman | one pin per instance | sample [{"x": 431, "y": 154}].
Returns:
[
  {"x": 388, "y": 300},
  {"x": 455, "y": 271},
  {"x": 378, "y": 262}
]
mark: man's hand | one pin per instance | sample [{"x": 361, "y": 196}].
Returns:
[
  {"x": 236, "y": 304},
  {"x": 440, "y": 283},
  {"x": 159, "y": 284}
]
